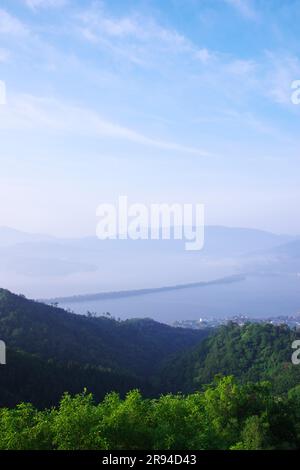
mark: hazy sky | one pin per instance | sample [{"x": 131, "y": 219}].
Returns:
[{"x": 161, "y": 100}]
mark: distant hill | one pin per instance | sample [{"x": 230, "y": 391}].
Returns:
[
  {"x": 291, "y": 249},
  {"x": 46, "y": 267},
  {"x": 45, "y": 343},
  {"x": 283, "y": 258},
  {"x": 10, "y": 237},
  {"x": 234, "y": 241}
]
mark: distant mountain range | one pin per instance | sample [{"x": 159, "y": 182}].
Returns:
[
  {"x": 42, "y": 266},
  {"x": 10, "y": 237},
  {"x": 218, "y": 239}
]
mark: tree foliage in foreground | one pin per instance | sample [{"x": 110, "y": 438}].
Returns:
[{"x": 227, "y": 415}]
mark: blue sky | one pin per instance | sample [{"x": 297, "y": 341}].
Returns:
[{"x": 163, "y": 101}]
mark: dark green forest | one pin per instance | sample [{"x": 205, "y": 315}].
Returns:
[
  {"x": 81, "y": 382},
  {"x": 250, "y": 353},
  {"x": 50, "y": 351}
]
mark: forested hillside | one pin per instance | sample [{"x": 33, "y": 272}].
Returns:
[
  {"x": 51, "y": 351},
  {"x": 53, "y": 333},
  {"x": 239, "y": 387},
  {"x": 250, "y": 353},
  {"x": 28, "y": 378}
]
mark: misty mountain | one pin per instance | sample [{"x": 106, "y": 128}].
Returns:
[
  {"x": 290, "y": 250},
  {"x": 10, "y": 237},
  {"x": 281, "y": 259},
  {"x": 226, "y": 241},
  {"x": 49, "y": 267},
  {"x": 44, "y": 266}
]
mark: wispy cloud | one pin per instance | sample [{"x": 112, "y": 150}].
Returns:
[
  {"x": 135, "y": 26},
  {"x": 136, "y": 37},
  {"x": 145, "y": 42},
  {"x": 27, "y": 112},
  {"x": 11, "y": 25},
  {"x": 4, "y": 55},
  {"x": 245, "y": 7},
  {"x": 283, "y": 70},
  {"x": 36, "y": 4}
]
